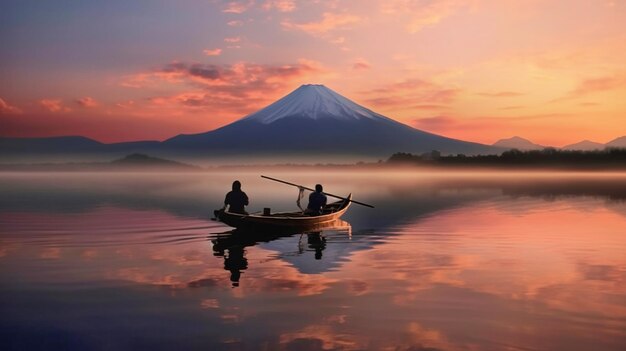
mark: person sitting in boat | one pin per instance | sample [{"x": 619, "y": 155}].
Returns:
[
  {"x": 236, "y": 199},
  {"x": 317, "y": 201}
]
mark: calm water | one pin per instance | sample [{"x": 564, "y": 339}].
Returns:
[{"x": 446, "y": 261}]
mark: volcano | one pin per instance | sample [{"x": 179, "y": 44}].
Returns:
[
  {"x": 311, "y": 124},
  {"x": 315, "y": 120}
]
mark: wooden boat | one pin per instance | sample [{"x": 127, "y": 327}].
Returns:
[{"x": 286, "y": 220}]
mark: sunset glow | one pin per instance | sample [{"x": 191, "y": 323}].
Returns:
[{"x": 549, "y": 71}]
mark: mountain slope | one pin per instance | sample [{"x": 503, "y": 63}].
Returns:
[
  {"x": 518, "y": 143},
  {"x": 617, "y": 142},
  {"x": 585, "y": 145},
  {"x": 316, "y": 120}
]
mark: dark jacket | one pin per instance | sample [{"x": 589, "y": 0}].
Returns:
[
  {"x": 316, "y": 202},
  {"x": 236, "y": 200}
]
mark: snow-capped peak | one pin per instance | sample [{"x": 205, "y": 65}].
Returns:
[{"x": 313, "y": 101}]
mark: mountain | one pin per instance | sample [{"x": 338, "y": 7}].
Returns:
[
  {"x": 518, "y": 143},
  {"x": 67, "y": 143},
  {"x": 617, "y": 142},
  {"x": 314, "y": 120},
  {"x": 585, "y": 145},
  {"x": 312, "y": 123},
  {"x": 142, "y": 161}
]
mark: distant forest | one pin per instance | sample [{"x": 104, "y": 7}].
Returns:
[{"x": 549, "y": 158}]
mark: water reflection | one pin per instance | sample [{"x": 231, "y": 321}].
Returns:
[
  {"x": 399, "y": 196},
  {"x": 445, "y": 262},
  {"x": 231, "y": 245}
]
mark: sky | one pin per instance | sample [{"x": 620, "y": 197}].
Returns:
[{"x": 549, "y": 71}]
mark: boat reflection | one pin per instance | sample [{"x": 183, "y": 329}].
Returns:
[{"x": 232, "y": 245}]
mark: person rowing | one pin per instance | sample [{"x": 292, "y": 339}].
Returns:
[{"x": 317, "y": 201}]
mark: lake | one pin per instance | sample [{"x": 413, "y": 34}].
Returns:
[{"x": 447, "y": 260}]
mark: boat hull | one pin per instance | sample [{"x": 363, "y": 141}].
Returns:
[{"x": 286, "y": 220}]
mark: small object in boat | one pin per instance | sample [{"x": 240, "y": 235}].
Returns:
[{"x": 267, "y": 211}]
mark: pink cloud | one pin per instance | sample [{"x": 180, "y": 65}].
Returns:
[
  {"x": 330, "y": 21},
  {"x": 439, "y": 123},
  {"x": 235, "y": 23},
  {"x": 361, "y": 64},
  {"x": 225, "y": 89},
  {"x": 237, "y": 6},
  {"x": 501, "y": 94},
  {"x": 212, "y": 52},
  {"x": 7, "y": 109},
  {"x": 87, "y": 102},
  {"x": 427, "y": 107},
  {"x": 411, "y": 93},
  {"x": 279, "y": 5},
  {"x": 126, "y": 104},
  {"x": 422, "y": 14},
  {"x": 53, "y": 105},
  {"x": 232, "y": 40},
  {"x": 593, "y": 85}
]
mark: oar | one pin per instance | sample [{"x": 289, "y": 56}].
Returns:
[{"x": 304, "y": 187}]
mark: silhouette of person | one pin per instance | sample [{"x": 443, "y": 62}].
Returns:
[
  {"x": 236, "y": 199},
  {"x": 235, "y": 262},
  {"x": 317, "y": 201},
  {"x": 316, "y": 242}
]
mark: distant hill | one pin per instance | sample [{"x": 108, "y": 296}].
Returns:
[
  {"x": 617, "y": 142},
  {"x": 133, "y": 162},
  {"x": 518, "y": 143},
  {"x": 143, "y": 161},
  {"x": 585, "y": 145},
  {"x": 78, "y": 147}
]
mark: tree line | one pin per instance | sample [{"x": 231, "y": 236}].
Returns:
[{"x": 549, "y": 157}]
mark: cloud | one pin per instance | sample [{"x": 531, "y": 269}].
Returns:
[
  {"x": 329, "y": 22},
  {"x": 7, "y": 109},
  {"x": 594, "y": 85},
  {"x": 279, "y": 5},
  {"x": 224, "y": 89},
  {"x": 237, "y": 6},
  {"x": 501, "y": 94},
  {"x": 212, "y": 52},
  {"x": 422, "y": 14},
  {"x": 53, "y": 105},
  {"x": 125, "y": 104},
  {"x": 437, "y": 123},
  {"x": 87, "y": 102},
  {"x": 338, "y": 40},
  {"x": 427, "y": 107},
  {"x": 361, "y": 64},
  {"x": 232, "y": 40},
  {"x": 486, "y": 128},
  {"x": 411, "y": 93},
  {"x": 235, "y": 23}
]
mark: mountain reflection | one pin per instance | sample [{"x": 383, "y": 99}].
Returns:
[
  {"x": 231, "y": 246},
  {"x": 444, "y": 262}
]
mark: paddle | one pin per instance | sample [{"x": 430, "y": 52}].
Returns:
[{"x": 304, "y": 187}]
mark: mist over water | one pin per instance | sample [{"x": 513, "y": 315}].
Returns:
[{"x": 447, "y": 260}]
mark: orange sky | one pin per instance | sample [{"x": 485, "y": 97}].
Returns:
[{"x": 549, "y": 71}]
